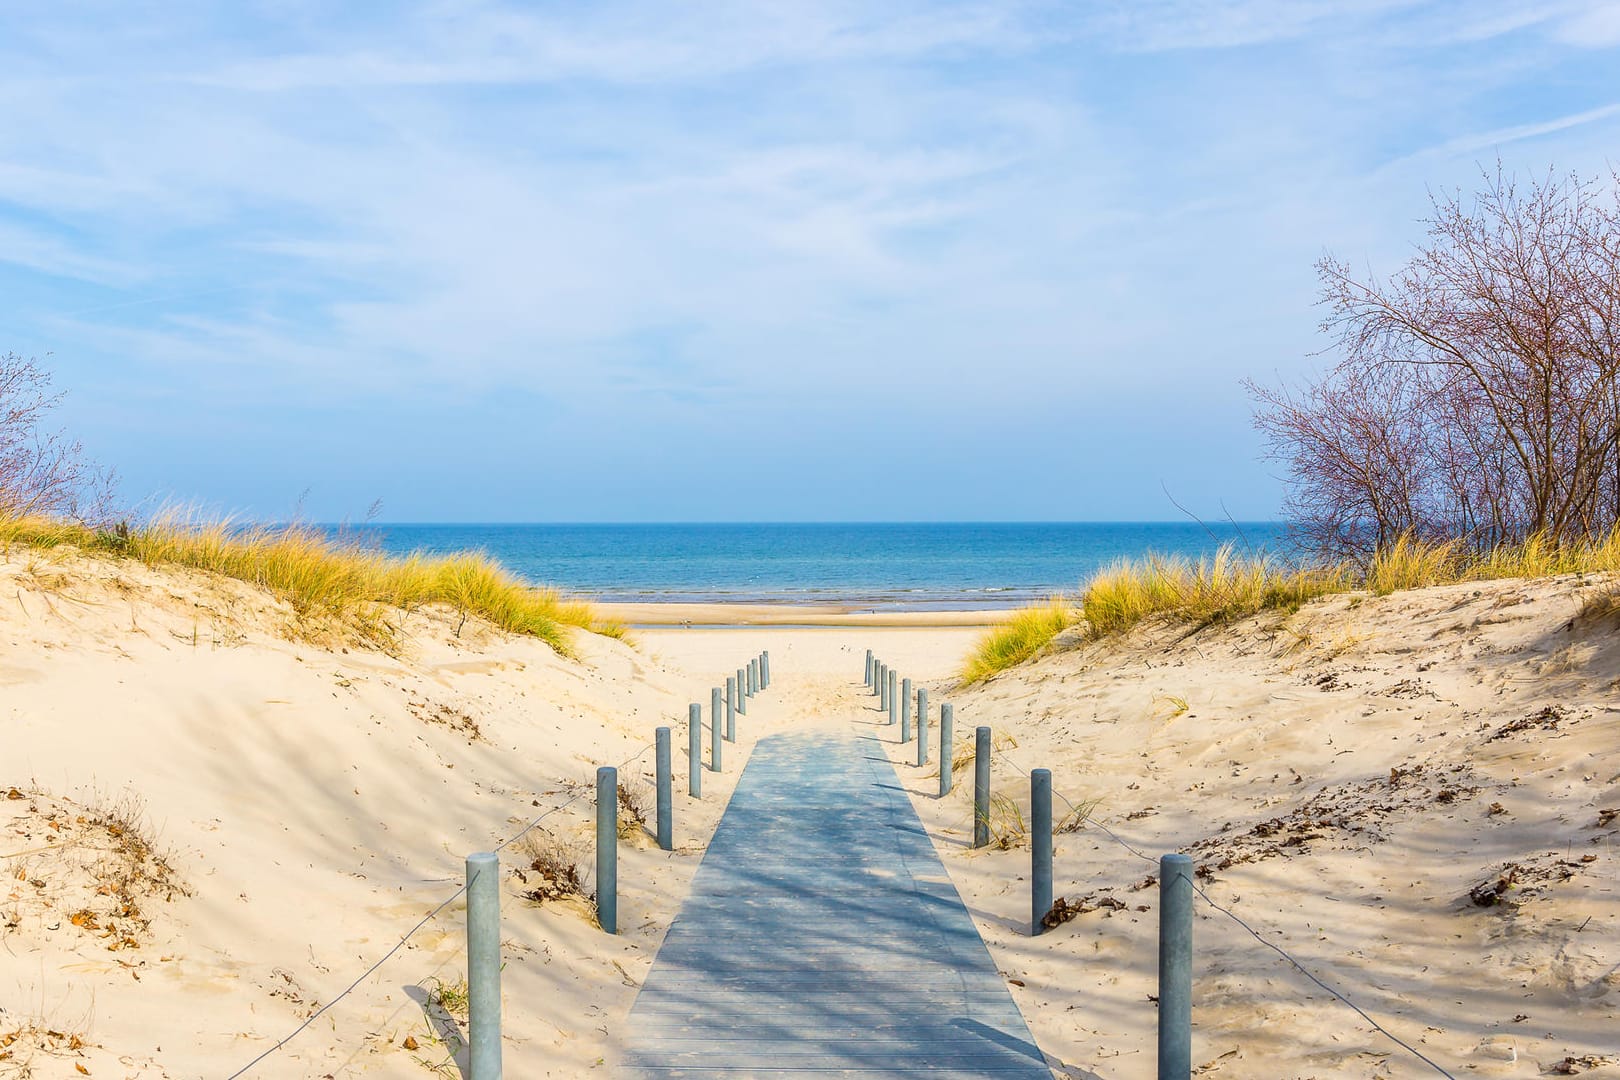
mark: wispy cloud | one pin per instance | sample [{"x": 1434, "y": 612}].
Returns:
[
  {"x": 1465, "y": 146},
  {"x": 1087, "y": 220}
]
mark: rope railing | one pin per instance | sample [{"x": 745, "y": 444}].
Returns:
[
  {"x": 1174, "y": 1045},
  {"x": 483, "y": 918},
  {"x": 406, "y": 937}
]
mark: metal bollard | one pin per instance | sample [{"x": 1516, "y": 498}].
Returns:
[
  {"x": 765, "y": 669},
  {"x": 607, "y": 848},
  {"x": 1175, "y": 967},
  {"x": 717, "y": 730},
  {"x": 947, "y": 752},
  {"x": 868, "y": 667},
  {"x": 731, "y": 711},
  {"x": 742, "y": 692},
  {"x": 894, "y": 694},
  {"x": 877, "y": 681},
  {"x": 694, "y": 747},
  {"x": 753, "y": 677},
  {"x": 905, "y": 710},
  {"x": 666, "y": 800},
  {"x": 922, "y": 727},
  {"x": 1040, "y": 848},
  {"x": 484, "y": 963},
  {"x": 981, "y": 787}
]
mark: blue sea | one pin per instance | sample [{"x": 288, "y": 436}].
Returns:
[{"x": 881, "y": 566}]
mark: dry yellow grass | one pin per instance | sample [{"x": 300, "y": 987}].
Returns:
[
  {"x": 331, "y": 584},
  {"x": 1018, "y": 639},
  {"x": 1228, "y": 587}
]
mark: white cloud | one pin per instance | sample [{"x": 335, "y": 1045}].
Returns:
[{"x": 964, "y": 204}]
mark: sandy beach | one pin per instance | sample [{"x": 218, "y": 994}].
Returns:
[
  {"x": 793, "y": 615},
  {"x": 1346, "y": 776}
]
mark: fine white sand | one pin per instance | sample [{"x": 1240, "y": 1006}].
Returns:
[{"x": 312, "y": 805}]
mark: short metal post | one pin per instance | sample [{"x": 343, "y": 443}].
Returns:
[
  {"x": 1175, "y": 967},
  {"x": 877, "y": 681},
  {"x": 717, "y": 730},
  {"x": 694, "y": 747},
  {"x": 882, "y": 685},
  {"x": 905, "y": 710},
  {"x": 894, "y": 695},
  {"x": 753, "y": 676},
  {"x": 1040, "y": 848},
  {"x": 765, "y": 669},
  {"x": 981, "y": 787},
  {"x": 947, "y": 752},
  {"x": 922, "y": 727},
  {"x": 484, "y": 964},
  {"x": 666, "y": 799},
  {"x": 868, "y": 667},
  {"x": 607, "y": 848},
  {"x": 742, "y": 692}
]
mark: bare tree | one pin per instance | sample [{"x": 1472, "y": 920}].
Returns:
[
  {"x": 1477, "y": 394},
  {"x": 42, "y": 471}
]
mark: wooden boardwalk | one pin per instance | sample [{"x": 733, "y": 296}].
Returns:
[{"x": 823, "y": 938}]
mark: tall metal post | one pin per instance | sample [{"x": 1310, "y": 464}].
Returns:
[
  {"x": 694, "y": 748},
  {"x": 729, "y": 728},
  {"x": 1040, "y": 848},
  {"x": 742, "y": 692},
  {"x": 877, "y": 681},
  {"x": 484, "y": 964},
  {"x": 607, "y": 848},
  {"x": 753, "y": 676},
  {"x": 882, "y": 685},
  {"x": 947, "y": 752},
  {"x": 666, "y": 797},
  {"x": 868, "y": 667},
  {"x": 894, "y": 695},
  {"x": 717, "y": 730},
  {"x": 905, "y": 710},
  {"x": 922, "y": 727},
  {"x": 1175, "y": 967},
  {"x": 765, "y": 669},
  {"x": 981, "y": 787}
]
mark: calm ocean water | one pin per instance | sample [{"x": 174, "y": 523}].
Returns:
[{"x": 890, "y": 566}]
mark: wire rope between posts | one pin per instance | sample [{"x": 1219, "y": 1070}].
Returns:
[
  {"x": 1279, "y": 950},
  {"x": 398, "y": 945},
  {"x": 429, "y": 917},
  {"x": 1284, "y": 953}
]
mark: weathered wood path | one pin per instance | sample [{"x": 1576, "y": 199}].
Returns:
[{"x": 823, "y": 938}]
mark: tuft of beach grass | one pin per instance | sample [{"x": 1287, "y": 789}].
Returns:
[
  {"x": 1228, "y": 586},
  {"x": 332, "y": 583}
]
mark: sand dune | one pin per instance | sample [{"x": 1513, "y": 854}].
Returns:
[
  {"x": 1349, "y": 775},
  {"x": 1356, "y": 781},
  {"x": 311, "y": 806}
]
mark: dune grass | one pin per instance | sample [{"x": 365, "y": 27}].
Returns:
[
  {"x": 1212, "y": 590},
  {"x": 332, "y": 584},
  {"x": 1228, "y": 586},
  {"x": 1018, "y": 639}
]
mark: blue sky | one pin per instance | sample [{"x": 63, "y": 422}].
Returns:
[{"x": 757, "y": 261}]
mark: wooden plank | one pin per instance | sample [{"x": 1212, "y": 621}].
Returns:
[{"x": 823, "y": 938}]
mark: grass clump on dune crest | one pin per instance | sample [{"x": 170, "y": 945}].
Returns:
[
  {"x": 1228, "y": 587},
  {"x": 1019, "y": 638},
  {"x": 332, "y": 583},
  {"x": 1213, "y": 590},
  {"x": 1415, "y": 564}
]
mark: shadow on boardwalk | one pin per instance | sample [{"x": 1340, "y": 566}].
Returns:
[{"x": 823, "y": 938}]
